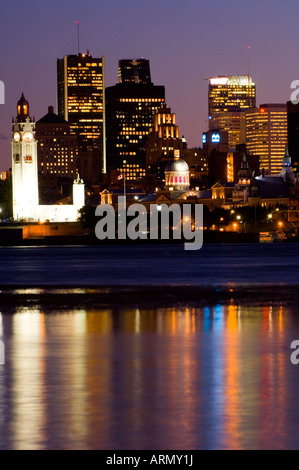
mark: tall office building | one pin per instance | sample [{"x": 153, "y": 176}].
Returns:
[
  {"x": 134, "y": 71},
  {"x": 293, "y": 133},
  {"x": 130, "y": 108},
  {"x": 81, "y": 102},
  {"x": 228, "y": 97},
  {"x": 266, "y": 135}
]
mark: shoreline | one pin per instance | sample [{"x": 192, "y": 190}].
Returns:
[
  {"x": 143, "y": 296},
  {"x": 13, "y": 237}
]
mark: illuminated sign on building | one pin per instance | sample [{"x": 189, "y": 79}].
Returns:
[
  {"x": 204, "y": 138},
  {"x": 215, "y": 139},
  {"x": 231, "y": 80}
]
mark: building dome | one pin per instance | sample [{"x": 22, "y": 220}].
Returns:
[
  {"x": 177, "y": 164},
  {"x": 177, "y": 173}
]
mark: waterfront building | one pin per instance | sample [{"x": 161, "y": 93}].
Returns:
[
  {"x": 25, "y": 175},
  {"x": 177, "y": 175}
]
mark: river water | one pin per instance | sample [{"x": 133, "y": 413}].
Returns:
[{"x": 212, "y": 375}]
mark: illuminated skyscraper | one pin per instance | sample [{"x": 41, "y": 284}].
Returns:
[
  {"x": 267, "y": 136},
  {"x": 81, "y": 101},
  {"x": 228, "y": 97},
  {"x": 130, "y": 108},
  {"x": 134, "y": 71}
]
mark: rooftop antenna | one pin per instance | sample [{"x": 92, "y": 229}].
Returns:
[
  {"x": 78, "y": 33},
  {"x": 248, "y": 48}
]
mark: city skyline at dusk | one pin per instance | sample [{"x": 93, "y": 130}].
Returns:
[
  {"x": 186, "y": 43},
  {"x": 149, "y": 228}
]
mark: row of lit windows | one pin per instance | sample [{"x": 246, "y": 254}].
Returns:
[
  {"x": 83, "y": 109},
  {"x": 84, "y": 66},
  {"x": 82, "y": 71},
  {"x": 85, "y": 102},
  {"x": 91, "y": 121},
  {"x": 62, "y": 143},
  {"x": 58, "y": 163},
  {"x": 128, "y": 134},
  {"x": 138, "y": 100},
  {"x": 52, "y": 132},
  {"x": 55, "y": 172},
  {"x": 178, "y": 179},
  {"x": 127, "y": 153},
  {"x": 62, "y": 157},
  {"x": 58, "y": 149}
]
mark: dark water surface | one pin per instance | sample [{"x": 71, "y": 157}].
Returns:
[
  {"x": 144, "y": 265},
  {"x": 213, "y": 376}
]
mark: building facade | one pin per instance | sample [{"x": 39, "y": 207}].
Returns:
[
  {"x": 177, "y": 175},
  {"x": 163, "y": 138},
  {"x": 25, "y": 176},
  {"x": 134, "y": 71},
  {"x": 267, "y": 135},
  {"x": 81, "y": 102},
  {"x": 24, "y": 163},
  {"x": 228, "y": 97},
  {"x": 57, "y": 149},
  {"x": 293, "y": 133},
  {"x": 130, "y": 108}
]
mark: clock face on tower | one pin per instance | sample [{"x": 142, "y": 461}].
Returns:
[
  {"x": 27, "y": 137},
  {"x": 17, "y": 137}
]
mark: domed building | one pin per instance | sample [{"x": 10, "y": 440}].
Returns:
[{"x": 177, "y": 175}]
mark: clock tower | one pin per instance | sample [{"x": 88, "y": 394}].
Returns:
[{"x": 24, "y": 164}]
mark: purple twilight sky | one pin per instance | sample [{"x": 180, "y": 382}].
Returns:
[{"x": 185, "y": 40}]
